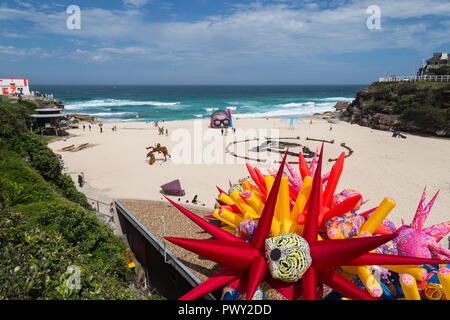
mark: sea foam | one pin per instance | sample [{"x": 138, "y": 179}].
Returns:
[{"x": 99, "y": 103}]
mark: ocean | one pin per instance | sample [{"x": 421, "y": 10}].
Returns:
[{"x": 153, "y": 103}]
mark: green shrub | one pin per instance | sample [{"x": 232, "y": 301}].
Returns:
[
  {"x": 443, "y": 70},
  {"x": 12, "y": 193},
  {"x": 42, "y": 232},
  {"x": 81, "y": 227},
  {"x": 70, "y": 192},
  {"x": 46, "y": 163},
  {"x": 34, "y": 264},
  {"x": 426, "y": 117}
]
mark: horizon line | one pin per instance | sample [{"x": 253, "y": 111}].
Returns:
[{"x": 199, "y": 84}]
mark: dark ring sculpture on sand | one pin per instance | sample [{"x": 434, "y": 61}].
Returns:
[
  {"x": 307, "y": 153},
  {"x": 159, "y": 149}
]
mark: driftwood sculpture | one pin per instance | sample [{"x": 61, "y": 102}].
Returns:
[{"x": 159, "y": 149}]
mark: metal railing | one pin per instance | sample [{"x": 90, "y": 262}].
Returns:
[
  {"x": 165, "y": 272},
  {"x": 102, "y": 210},
  {"x": 435, "y": 78}
]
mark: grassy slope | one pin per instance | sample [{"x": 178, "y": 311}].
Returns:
[
  {"x": 46, "y": 224},
  {"x": 419, "y": 104}
]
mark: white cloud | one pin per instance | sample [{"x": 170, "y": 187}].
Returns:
[
  {"x": 23, "y": 4},
  {"x": 135, "y": 3},
  {"x": 247, "y": 33},
  {"x": 14, "y": 51}
]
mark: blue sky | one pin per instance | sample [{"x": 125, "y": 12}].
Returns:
[{"x": 219, "y": 42}]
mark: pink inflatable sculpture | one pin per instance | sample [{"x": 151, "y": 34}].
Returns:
[{"x": 414, "y": 241}]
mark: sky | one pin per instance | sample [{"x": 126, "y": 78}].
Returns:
[{"x": 149, "y": 42}]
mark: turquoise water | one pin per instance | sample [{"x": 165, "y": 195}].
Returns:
[{"x": 150, "y": 103}]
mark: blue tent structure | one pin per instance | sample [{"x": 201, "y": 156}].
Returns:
[{"x": 292, "y": 120}]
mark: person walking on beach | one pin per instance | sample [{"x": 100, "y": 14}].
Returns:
[
  {"x": 89, "y": 127},
  {"x": 84, "y": 127},
  {"x": 80, "y": 180},
  {"x": 167, "y": 132}
]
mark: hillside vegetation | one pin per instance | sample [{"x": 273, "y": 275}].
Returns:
[
  {"x": 422, "y": 107},
  {"x": 46, "y": 225}
]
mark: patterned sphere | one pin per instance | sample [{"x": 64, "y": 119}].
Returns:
[
  {"x": 346, "y": 193},
  {"x": 348, "y": 225},
  {"x": 246, "y": 229},
  {"x": 288, "y": 257}
]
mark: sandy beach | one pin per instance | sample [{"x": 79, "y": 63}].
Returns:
[{"x": 116, "y": 167}]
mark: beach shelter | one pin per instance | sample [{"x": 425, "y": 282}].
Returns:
[{"x": 292, "y": 120}]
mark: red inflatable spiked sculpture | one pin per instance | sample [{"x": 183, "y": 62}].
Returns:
[{"x": 245, "y": 266}]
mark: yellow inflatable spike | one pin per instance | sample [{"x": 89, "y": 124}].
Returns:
[
  {"x": 444, "y": 278},
  {"x": 255, "y": 203},
  {"x": 275, "y": 227},
  {"x": 257, "y": 193},
  {"x": 249, "y": 215},
  {"x": 230, "y": 216},
  {"x": 241, "y": 204},
  {"x": 246, "y": 185},
  {"x": 282, "y": 208},
  {"x": 378, "y": 216},
  {"x": 226, "y": 199},
  {"x": 229, "y": 229},
  {"x": 219, "y": 217},
  {"x": 286, "y": 226},
  {"x": 269, "y": 183},
  {"x": 367, "y": 278},
  {"x": 409, "y": 286},
  {"x": 297, "y": 228},
  {"x": 302, "y": 198},
  {"x": 370, "y": 283},
  {"x": 420, "y": 274}
]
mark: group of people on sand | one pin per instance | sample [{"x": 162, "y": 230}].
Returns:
[
  {"x": 90, "y": 127},
  {"x": 225, "y": 130},
  {"x": 100, "y": 125}
]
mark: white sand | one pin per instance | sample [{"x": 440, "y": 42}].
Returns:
[{"x": 380, "y": 166}]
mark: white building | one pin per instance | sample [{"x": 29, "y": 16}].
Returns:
[{"x": 14, "y": 86}]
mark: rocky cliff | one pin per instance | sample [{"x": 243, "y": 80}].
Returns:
[{"x": 419, "y": 107}]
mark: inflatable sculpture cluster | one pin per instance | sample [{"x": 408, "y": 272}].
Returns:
[{"x": 291, "y": 236}]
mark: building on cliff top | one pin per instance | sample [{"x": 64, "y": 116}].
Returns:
[
  {"x": 438, "y": 60},
  {"x": 14, "y": 86}
]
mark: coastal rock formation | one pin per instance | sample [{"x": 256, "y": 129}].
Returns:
[
  {"x": 420, "y": 107},
  {"x": 39, "y": 100},
  {"x": 341, "y": 105}
]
